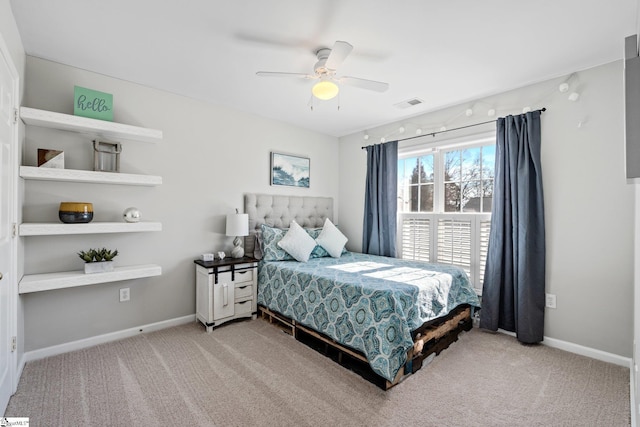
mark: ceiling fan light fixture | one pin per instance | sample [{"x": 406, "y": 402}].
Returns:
[{"x": 325, "y": 90}]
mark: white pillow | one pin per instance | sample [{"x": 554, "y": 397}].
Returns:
[
  {"x": 331, "y": 239},
  {"x": 297, "y": 243}
]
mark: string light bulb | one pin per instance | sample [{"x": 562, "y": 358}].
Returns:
[{"x": 570, "y": 86}]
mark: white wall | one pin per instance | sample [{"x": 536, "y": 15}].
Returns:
[
  {"x": 588, "y": 204},
  {"x": 209, "y": 157},
  {"x": 9, "y": 31}
]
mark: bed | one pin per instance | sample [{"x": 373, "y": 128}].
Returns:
[{"x": 386, "y": 312}]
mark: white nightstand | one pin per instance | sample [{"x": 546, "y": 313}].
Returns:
[{"x": 225, "y": 290}]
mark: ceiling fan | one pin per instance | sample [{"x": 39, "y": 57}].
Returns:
[{"x": 325, "y": 72}]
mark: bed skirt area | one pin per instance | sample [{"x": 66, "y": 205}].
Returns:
[{"x": 429, "y": 340}]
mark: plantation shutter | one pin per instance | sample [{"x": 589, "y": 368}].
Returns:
[
  {"x": 416, "y": 238},
  {"x": 485, "y": 227},
  {"x": 454, "y": 243}
]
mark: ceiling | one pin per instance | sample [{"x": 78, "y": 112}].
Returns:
[{"x": 442, "y": 52}]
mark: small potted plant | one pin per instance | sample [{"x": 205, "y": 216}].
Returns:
[{"x": 98, "y": 260}]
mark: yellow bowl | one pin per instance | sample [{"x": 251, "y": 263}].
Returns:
[{"x": 75, "y": 212}]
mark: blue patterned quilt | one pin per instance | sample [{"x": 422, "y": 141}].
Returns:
[{"x": 366, "y": 302}]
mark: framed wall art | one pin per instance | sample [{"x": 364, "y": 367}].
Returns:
[
  {"x": 50, "y": 158},
  {"x": 290, "y": 170}
]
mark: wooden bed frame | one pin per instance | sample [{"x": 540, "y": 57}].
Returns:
[{"x": 429, "y": 340}]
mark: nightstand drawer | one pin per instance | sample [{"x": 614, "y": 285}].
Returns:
[
  {"x": 242, "y": 276},
  {"x": 242, "y": 308},
  {"x": 243, "y": 291}
]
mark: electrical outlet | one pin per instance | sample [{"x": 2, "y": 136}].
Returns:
[
  {"x": 551, "y": 301},
  {"x": 124, "y": 294}
]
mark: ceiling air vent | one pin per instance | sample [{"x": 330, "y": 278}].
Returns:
[{"x": 409, "y": 103}]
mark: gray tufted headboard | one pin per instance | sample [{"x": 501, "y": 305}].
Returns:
[{"x": 279, "y": 211}]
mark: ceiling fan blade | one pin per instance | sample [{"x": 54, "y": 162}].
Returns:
[
  {"x": 338, "y": 54},
  {"x": 290, "y": 43},
  {"x": 364, "y": 83},
  {"x": 278, "y": 74}
]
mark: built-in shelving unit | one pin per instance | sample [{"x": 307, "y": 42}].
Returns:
[
  {"x": 75, "y": 175},
  {"x": 58, "y": 228},
  {"x": 95, "y": 129},
  {"x": 69, "y": 279}
]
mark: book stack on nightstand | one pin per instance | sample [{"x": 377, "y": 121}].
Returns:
[{"x": 226, "y": 289}]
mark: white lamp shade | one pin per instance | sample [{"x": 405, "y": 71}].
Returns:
[
  {"x": 238, "y": 224},
  {"x": 325, "y": 90}
]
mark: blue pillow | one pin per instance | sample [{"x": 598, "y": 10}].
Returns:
[
  {"x": 270, "y": 249},
  {"x": 318, "y": 251}
]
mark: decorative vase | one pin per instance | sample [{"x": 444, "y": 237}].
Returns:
[
  {"x": 98, "y": 267},
  {"x": 75, "y": 212}
]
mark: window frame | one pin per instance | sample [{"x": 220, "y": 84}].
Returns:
[{"x": 438, "y": 150}]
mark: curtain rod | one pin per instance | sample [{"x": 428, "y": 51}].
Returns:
[{"x": 542, "y": 110}]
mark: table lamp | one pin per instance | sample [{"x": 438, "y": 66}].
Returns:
[{"x": 237, "y": 225}]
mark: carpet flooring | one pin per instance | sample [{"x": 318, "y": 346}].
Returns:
[{"x": 250, "y": 373}]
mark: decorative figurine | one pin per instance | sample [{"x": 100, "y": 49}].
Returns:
[{"x": 131, "y": 215}]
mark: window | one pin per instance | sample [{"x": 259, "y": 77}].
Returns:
[
  {"x": 444, "y": 203},
  {"x": 417, "y": 184},
  {"x": 468, "y": 179}
]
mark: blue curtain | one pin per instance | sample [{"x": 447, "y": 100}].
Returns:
[
  {"x": 381, "y": 200},
  {"x": 514, "y": 281}
]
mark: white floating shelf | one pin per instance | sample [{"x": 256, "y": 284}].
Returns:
[
  {"x": 98, "y": 128},
  {"x": 70, "y": 279},
  {"x": 75, "y": 175},
  {"x": 53, "y": 228}
]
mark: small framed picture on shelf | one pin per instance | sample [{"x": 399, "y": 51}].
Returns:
[
  {"x": 50, "y": 158},
  {"x": 290, "y": 170},
  {"x": 92, "y": 104}
]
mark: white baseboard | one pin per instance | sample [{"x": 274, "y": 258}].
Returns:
[
  {"x": 582, "y": 350},
  {"x": 588, "y": 351},
  {"x": 101, "y": 339}
]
